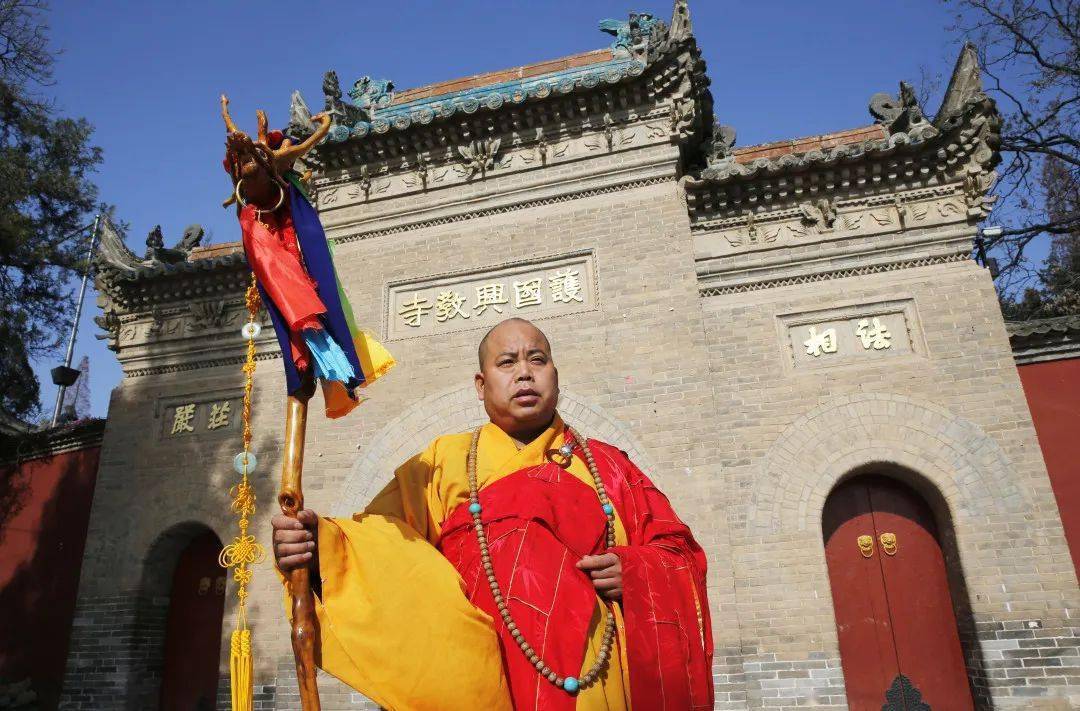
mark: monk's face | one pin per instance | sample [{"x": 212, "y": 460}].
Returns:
[{"x": 518, "y": 381}]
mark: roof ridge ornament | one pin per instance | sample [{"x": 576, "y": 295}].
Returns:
[
  {"x": 636, "y": 36},
  {"x": 300, "y": 123},
  {"x": 369, "y": 94},
  {"x": 721, "y": 148},
  {"x": 898, "y": 114},
  {"x": 965, "y": 85},
  {"x": 113, "y": 255},
  {"x": 681, "y": 27}
]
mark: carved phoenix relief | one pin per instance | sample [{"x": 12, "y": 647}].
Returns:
[
  {"x": 207, "y": 314},
  {"x": 368, "y": 185},
  {"x": 610, "y": 137},
  {"x": 479, "y": 157},
  {"x": 820, "y": 214}
]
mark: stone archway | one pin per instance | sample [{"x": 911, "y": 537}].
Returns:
[
  {"x": 149, "y": 626},
  {"x": 894, "y": 596},
  {"x": 190, "y": 668},
  {"x": 458, "y": 410},
  {"x": 897, "y": 432}
]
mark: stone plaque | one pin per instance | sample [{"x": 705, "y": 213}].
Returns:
[
  {"x": 479, "y": 299},
  {"x": 199, "y": 415},
  {"x": 857, "y": 334}
]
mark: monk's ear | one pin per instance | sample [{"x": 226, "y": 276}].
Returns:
[{"x": 478, "y": 381}]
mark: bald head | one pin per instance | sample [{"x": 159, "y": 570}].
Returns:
[
  {"x": 514, "y": 323},
  {"x": 517, "y": 380}
]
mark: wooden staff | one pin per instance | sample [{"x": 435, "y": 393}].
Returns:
[{"x": 305, "y": 625}]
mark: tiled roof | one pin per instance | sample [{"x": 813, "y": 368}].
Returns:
[
  {"x": 826, "y": 141},
  {"x": 851, "y": 145},
  {"x": 1043, "y": 326},
  {"x": 1044, "y": 339},
  {"x": 521, "y": 73},
  {"x": 214, "y": 251}
]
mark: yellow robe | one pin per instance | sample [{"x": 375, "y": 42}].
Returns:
[{"x": 394, "y": 619}]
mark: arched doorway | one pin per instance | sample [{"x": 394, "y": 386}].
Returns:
[
  {"x": 193, "y": 628},
  {"x": 899, "y": 645}
]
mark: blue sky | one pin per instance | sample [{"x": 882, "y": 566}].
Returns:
[{"x": 148, "y": 75}]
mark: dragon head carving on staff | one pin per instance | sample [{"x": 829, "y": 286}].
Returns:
[{"x": 262, "y": 163}]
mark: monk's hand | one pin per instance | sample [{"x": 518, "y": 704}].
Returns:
[
  {"x": 606, "y": 573},
  {"x": 295, "y": 539}
]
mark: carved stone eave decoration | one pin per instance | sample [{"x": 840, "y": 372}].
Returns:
[
  {"x": 819, "y": 214},
  {"x": 127, "y": 284},
  {"x": 114, "y": 258},
  {"x": 109, "y": 322},
  {"x": 962, "y": 141},
  {"x": 206, "y": 315},
  {"x": 898, "y": 114},
  {"x": 829, "y": 219},
  {"x": 665, "y": 67},
  {"x": 479, "y": 157}
]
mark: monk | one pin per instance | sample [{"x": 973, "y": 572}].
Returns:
[{"x": 517, "y": 567}]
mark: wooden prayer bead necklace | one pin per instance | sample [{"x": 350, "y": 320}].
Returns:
[{"x": 569, "y": 684}]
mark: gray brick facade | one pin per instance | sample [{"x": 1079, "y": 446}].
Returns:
[{"x": 708, "y": 273}]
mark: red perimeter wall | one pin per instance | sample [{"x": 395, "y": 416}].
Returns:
[
  {"x": 1053, "y": 394},
  {"x": 44, "y": 511}
]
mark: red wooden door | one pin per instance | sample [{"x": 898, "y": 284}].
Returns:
[
  {"x": 899, "y": 645},
  {"x": 193, "y": 628}
]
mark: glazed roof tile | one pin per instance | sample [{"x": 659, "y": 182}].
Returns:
[{"x": 487, "y": 79}]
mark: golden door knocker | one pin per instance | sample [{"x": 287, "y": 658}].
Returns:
[
  {"x": 866, "y": 545},
  {"x": 888, "y": 543}
]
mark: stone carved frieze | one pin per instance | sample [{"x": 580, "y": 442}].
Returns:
[
  {"x": 681, "y": 117},
  {"x": 367, "y": 185},
  {"x": 157, "y": 322},
  {"x": 824, "y": 219},
  {"x": 609, "y": 137},
  {"x": 209, "y": 314},
  {"x": 110, "y": 323},
  {"x": 478, "y": 157},
  {"x": 197, "y": 320},
  {"x": 978, "y": 183},
  {"x": 819, "y": 214},
  {"x": 419, "y": 175}
]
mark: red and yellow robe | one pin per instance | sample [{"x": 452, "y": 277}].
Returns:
[{"x": 407, "y": 617}]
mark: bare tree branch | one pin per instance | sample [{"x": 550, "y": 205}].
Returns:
[{"x": 1029, "y": 51}]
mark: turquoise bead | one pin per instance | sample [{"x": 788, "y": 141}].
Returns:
[
  {"x": 608, "y": 509},
  {"x": 475, "y": 508},
  {"x": 570, "y": 684}
]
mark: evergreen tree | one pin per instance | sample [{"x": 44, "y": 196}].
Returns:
[{"x": 46, "y": 201}]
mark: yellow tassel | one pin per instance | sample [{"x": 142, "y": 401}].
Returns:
[
  {"x": 243, "y": 552},
  {"x": 240, "y": 668}
]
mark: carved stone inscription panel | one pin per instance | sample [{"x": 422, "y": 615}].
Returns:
[
  {"x": 477, "y": 299},
  {"x": 200, "y": 414},
  {"x": 851, "y": 335}
]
